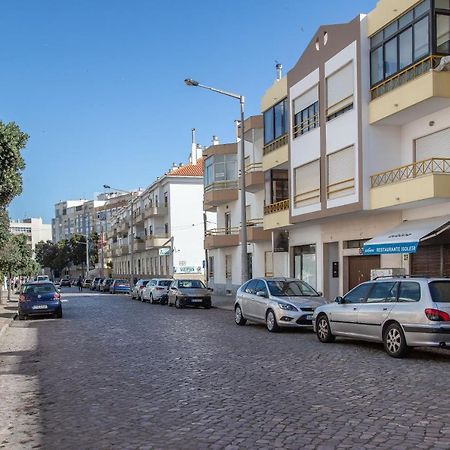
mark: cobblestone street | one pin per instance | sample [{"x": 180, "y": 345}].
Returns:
[{"x": 117, "y": 373}]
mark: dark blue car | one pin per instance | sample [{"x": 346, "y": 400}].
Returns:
[
  {"x": 39, "y": 299},
  {"x": 119, "y": 287}
]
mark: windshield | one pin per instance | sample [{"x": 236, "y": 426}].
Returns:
[
  {"x": 440, "y": 291},
  {"x": 121, "y": 281},
  {"x": 39, "y": 289},
  {"x": 164, "y": 282},
  {"x": 191, "y": 284},
  {"x": 281, "y": 288}
]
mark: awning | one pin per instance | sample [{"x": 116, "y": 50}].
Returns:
[{"x": 405, "y": 237}]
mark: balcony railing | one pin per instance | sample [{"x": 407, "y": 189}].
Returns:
[
  {"x": 222, "y": 231},
  {"x": 255, "y": 167},
  {"x": 220, "y": 185},
  {"x": 255, "y": 222},
  {"x": 308, "y": 124},
  {"x": 411, "y": 171},
  {"x": 307, "y": 197},
  {"x": 403, "y": 77},
  {"x": 277, "y": 143},
  {"x": 276, "y": 207},
  {"x": 340, "y": 188}
]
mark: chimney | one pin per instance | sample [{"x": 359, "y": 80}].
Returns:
[
  {"x": 199, "y": 151},
  {"x": 278, "y": 68},
  {"x": 215, "y": 140},
  {"x": 193, "y": 148}
]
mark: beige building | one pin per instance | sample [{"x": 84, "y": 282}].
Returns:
[{"x": 34, "y": 229}]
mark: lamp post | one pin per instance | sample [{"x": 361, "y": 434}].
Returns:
[
  {"x": 132, "y": 232},
  {"x": 241, "y": 98}
]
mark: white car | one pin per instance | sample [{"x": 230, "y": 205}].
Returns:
[{"x": 156, "y": 290}]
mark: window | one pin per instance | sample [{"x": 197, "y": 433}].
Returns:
[
  {"x": 433, "y": 145},
  {"x": 359, "y": 293},
  {"x": 150, "y": 230},
  {"x": 443, "y": 33},
  {"x": 275, "y": 122},
  {"x": 340, "y": 88},
  {"x": 306, "y": 112},
  {"x": 166, "y": 199},
  {"x": 228, "y": 223},
  {"x": 277, "y": 186},
  {"x": 341, "y": 173},
  {"x": 440, "y": 291},
  {"x": 409, "y": 291},
  {"x": 305, "y": 264},
  {"x": 250, "y": 287},
  {"x": 405, "y": 48},
  {"x": 220, "y": 168},
  {"x": 307, "y": 184},
  {"x": 383, "y": 293},
  {"x": 228, "y": 267},
  {"x": 261, "y": 287},
  {"x": 268, "y": 264},
  {"x": 421, "y": 38},
  {"x": 166, "y": 229},
  {"x": 250, "y": 265},
  {"x": 211, "y": 267}
]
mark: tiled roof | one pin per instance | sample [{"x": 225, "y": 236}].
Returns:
[{"x": 189, "y": 170}]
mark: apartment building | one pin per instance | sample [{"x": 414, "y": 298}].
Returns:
[
  {"x": 34, "y": 229},
  {"x": 356, "y": 148},
  {"x": 164, "y": 224},
  {"x": 223, "y": 197}
]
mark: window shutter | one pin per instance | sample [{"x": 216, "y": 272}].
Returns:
[
  {"x": 436, "y": 145},
  {"x": 340, "y": 87},
  {"x": 307, "y": 182},
  {"x": 341, "y": 173},
  {"x": 306, "y": 99}
]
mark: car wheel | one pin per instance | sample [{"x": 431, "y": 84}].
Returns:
[
  {"x": 238, "y": 317},
  {"x": 271, "y": 321},
  {"x": 21, "y": 317},
  {"x": 207, "y": 305},
  {"x": 178, "y": 303},
  {"x": 394, "y": 341},
  {"x": 323, "y": 329},
  {"x": 151, "y": 299},
  {"x": 168, "y": 302},
  {"x": 59, "y": 314}
]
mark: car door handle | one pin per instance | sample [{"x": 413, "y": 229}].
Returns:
[
  {"x": 354, "y": 309},
  {"x": 385, "y": 309}
]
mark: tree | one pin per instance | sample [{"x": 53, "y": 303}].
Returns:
[{"x": 54, "y": 256}]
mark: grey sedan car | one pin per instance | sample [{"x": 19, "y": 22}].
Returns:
[
  {"x": 189, "y": 293},
  {"x": 277, "y": 302},
  {"x": 400, "y": 312}
]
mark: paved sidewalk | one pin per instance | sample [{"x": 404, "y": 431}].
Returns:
[
  {"x": 8, "y": 310},
  {"x": 223, "y": 302}
]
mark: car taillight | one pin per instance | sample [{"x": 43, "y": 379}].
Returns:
[
  {"x": 141, "y": 287},
  {"x": 22, "y": 298},
  {"x": 437, "y": 315},
  {"x": 56, "y": 295}
]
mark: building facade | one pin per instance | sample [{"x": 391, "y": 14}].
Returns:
[{"x": 34, "y": 229}]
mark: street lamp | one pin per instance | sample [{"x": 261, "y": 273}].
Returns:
[
  {"x": 106, "y": 186},
  {"x": 241, "y": 98}
]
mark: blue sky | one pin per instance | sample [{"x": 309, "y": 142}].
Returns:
[{"x": 98, "y": 84}]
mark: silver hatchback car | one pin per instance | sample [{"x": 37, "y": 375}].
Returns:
[
  {"x": 277, "y": 302},
  {"x": 401, "y": 312}
]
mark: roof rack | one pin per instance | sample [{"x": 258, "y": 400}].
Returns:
[{"x": 408, "y": 276}]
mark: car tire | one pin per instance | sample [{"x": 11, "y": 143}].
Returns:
[
  {"x": 323, "y": 329},
  {"x": 168, "y": 303},
  {"x": 271, "y": 322},
  {"x": 21, "y": 317},
  {"x": 152, "y": 301},
  {"x": 207, "y": 305},
  {"x": 238, "y": 317},
  {"x": 59, "y": 314},
  {"x": 394, "y": 341},
  {"x": 178, "y": 303}
]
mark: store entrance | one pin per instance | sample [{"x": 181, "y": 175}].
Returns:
[{"x": 359, "y": 268}]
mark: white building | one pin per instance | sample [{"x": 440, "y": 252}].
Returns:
[{"x": 34, "y": 229}]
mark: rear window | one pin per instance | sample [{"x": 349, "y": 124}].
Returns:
[
  {"x": 39, "y": 288},
  {"x": 164, "y": 282},
  {"x": 121, "y": 281},
  {"x": 440, "y": 291}
]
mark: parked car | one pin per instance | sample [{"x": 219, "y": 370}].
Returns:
[
  {"x": 156, "y": 290},
  {"x": 42, "y": 278},
  {"x": 39, "y": 298},
  {"x": 136, "y": 292},
  {"x": 400, "y": 312},
  {"x": 94, "y": 283},
  {"x": 277, "y": 302},
  {"x": 119, "y": 286},
  {"x": 189, "y": 293},
  {"x": 87, "y": 283},
  {"x": 65, "y": 282},
  {"x": 105, "y": 285}
]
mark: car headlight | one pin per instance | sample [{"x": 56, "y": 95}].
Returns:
[{"x": 287, "y": 307}]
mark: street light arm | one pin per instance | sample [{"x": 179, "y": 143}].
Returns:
[
  {"x": 194, "y": 83},
  {"x": 118, "y": 190}
]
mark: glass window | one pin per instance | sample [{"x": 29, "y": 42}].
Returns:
[
  {"x": 281, "y": 288},
  {"x": 307, "y": 119},
  {"x": 385, "y": 292},
  {"x": 376, "y": 39},
  {"x": 405, "y": 48},
  {"x": 409, "y": 292},
  {"x": 421, "y": 38},
  {"x": 250, "y": 288},
  {"x": 443, "y": 34},
  {"x": 440, "y": 291},
  {"x": 279, "y": 119},
  {"x": 268, "y": 126},
  {"x": 261, "y": 287},
  {"x": 359, "y": 293},
  {"x": 190, "y": 284},
  {"x": 376, "y": 65},
  {"x": 406, "y": 19},
  {"x": 164, "y": 282},
  {"x": 305, "y": 264},
  {"x": 390, "y": 58},
  {"x": 422, "y": 8},
  {"x": 390, "y": 29}
]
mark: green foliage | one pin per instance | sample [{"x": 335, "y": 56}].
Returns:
[
  {"x": 54, "y": 256},
  {"x": 15, "y": 256},
  {"x": 4, "y": 226}
]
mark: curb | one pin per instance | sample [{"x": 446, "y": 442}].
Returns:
[{"x": 7, "y": 325}]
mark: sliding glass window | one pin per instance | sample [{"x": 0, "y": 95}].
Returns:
[{"x": 275, "y": 122}]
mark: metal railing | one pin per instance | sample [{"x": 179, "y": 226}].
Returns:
[
  {"x": 403, "y": 77},
  {"x": 254, "y": 222},
  {"x": 340, "y": 186},
  {"x": 308, "y": 197},
  {"x": 411, "y": 171},
  {"x": 219, "y": 185},
  {"x": 222, "y": 231},
  {"x": 255, "y": 167},
  {"x": 277, "y": 143},
  {"x": 308, "y": 124},
  {"x": 276, "y": 207}
]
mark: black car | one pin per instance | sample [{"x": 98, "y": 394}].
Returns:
[
  {"x": 65, "y": 282},
  {"x": 39, "y": 299}
]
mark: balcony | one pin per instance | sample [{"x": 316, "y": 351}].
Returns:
[
  {"x": 276, "y": 215},
  {"x": 139, "y": 218},
  {"x": 256, "y": 231},
  {"x": 220, "y": 192},
  {"x": 424, "y": 181},
  {"x": 122, "y": 250},
  {"x": 410, "y": 94},
  {"x": 221, "y": 237},
  {"x": 111, "y": 233},
  {"x": 155, "y": 211},
  {"x": 156, "y": 240},
  {"x": 124, "y": 226},
  {"x": 254, "y": 177},
  {"x": 139, "y": 246},
  {"x": 275, "y": 153}
]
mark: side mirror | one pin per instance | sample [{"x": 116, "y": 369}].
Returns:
[
  {"x": 320, "y": 294},
  {"x": 58, "y": 291},
  {"x": 210, "y": 289},
  {"x": 339, "y": 300},
  {"x": 261, "y": 294}
]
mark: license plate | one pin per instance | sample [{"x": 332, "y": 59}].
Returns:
[
  {"x": 197, "y": 300},
  {"x": 309, "y": 317},
  {"x": 39, "y": 307}
]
